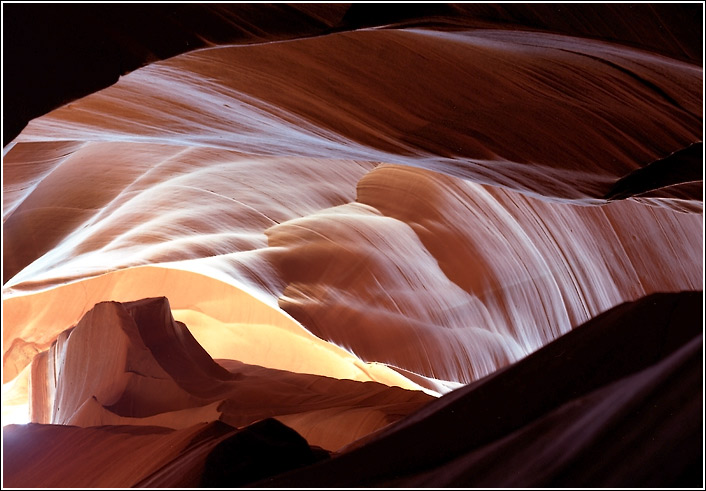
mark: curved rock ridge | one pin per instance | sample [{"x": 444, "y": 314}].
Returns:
[
  {"x": 426, "y": 262},
  {"x": 151, "y": 204},
  {"x": 430, "y": 274},
  {"x": 218, "y": 315},
  {"x": 310, "y": 98},
  {"x": 480, "y": 223},
  {"x": 80, "y": 49},
  {"x": 624, "y": 384},
  {"x": 453, "y": 280},
  {"x": 90, "y": 46},
  {"x": 202, "y": 455},
  {"x": 131, "y": 363},
  {"x": 615, "y": 402},
  {"x": 104, "y": 456}
]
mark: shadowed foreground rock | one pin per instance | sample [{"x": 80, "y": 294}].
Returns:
[
  {"x": 262, "y": 449},
  {"x": 615, "y": 402}
]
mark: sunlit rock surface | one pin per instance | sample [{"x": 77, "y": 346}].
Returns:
[
  {"x": 145, "y": 368},
  {"x": 588, "y": 409},
  {"x": 328, "y": 226}
]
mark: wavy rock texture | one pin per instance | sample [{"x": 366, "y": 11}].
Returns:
[
  {"x": 574, "y": 412},
  {"x": 539, "y": 422},
  {"x": 352, "y": 213},
  {"x": 132, "y": 363},
  {"x": 148, "y": 456}
]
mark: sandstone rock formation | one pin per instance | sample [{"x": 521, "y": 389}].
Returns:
[{"x": 353, "y": 245}]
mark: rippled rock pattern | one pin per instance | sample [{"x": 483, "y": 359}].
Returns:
[{"x": 277, "y": 245}]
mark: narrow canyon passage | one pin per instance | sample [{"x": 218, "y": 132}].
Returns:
[{"x": 451, "y": 245}]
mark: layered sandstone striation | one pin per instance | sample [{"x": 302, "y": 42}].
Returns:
[{"x": 383, "y": 247}]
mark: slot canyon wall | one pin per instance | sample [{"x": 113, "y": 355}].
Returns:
[{"x": 338, "y": 245}]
